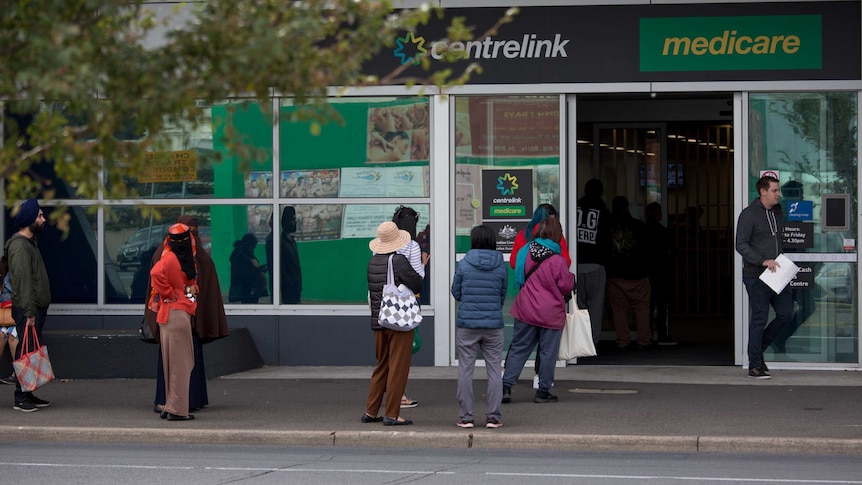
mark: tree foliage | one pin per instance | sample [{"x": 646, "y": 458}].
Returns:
[{"x": 93, "y": 82}]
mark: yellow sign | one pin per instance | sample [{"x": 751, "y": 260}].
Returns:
[{"x": 176, "y": 166}]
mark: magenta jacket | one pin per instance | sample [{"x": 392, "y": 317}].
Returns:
[{"x": 542, "y": 299}]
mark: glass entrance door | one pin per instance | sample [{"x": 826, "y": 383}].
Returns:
[{"x": 809, "y": 141}]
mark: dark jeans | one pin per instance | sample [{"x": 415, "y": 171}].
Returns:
[
  {"x": 20, "y": 326},
  {"x": 659, "y": 300},
  {"x": 524, "y": 338},
  {"x": 761, "y": 335}
]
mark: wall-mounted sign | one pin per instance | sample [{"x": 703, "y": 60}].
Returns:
[
  {"x": 804, "y": 279},
  {"x": 506, "y": 232},
  {"x": 748, "y": 43},
  {"x": 800, "y": 210},
  {"x": 798, "y": 235},
  {"x": 507, "y": 194}
]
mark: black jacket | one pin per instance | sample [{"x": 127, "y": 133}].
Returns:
[{"x": 403, "y": 273}]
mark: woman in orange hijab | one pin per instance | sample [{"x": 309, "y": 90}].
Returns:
[{"x": 175, "y": 289}]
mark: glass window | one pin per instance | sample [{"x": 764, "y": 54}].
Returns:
[
  {"x": 204, "y": 160},
  {"x": 70, "y": 258},
  {"x": 507, "y": 162},
  {"x": 809, "y": 141},
  {"x": 378, "y": 148},
  {"x": 234, "y": 235}
]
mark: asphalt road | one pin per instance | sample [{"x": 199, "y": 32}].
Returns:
[{"x": 258, "y": 465}]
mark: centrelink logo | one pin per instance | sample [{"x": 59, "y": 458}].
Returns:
[
  {"x": 411, "y": 49},
  {"x": 507, "y": 184}
]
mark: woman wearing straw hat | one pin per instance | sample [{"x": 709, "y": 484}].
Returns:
[{"x": 392, "y": 348}]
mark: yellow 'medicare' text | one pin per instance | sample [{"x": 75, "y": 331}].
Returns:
[{"x": 728, "y": 43}]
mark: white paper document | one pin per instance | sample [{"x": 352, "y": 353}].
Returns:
[{"x": 785, "y": 272}]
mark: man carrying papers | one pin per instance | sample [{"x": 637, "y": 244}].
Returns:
[{"x": 758, "y": 240}]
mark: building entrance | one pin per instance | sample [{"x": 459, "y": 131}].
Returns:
[{"x": 678, "y": 152}]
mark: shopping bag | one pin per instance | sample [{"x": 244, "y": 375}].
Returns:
[
  {"x": 417, "y": 341},
  {"x": 33, "y": 368},
  {"x": 577, "y": 338},
  {"x": 399, "y": 309}
]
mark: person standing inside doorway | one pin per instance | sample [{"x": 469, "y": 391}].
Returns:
[
  {"x": 661, "y": 252},
  {"x": 593, "y": 245},
  {"x": 759, "y": 242},
  {"x": 31, "y": 291}
]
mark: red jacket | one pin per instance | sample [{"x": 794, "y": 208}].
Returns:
[
  {"x": 520, "y": 241},
  {"x": 169, "y": 281}
]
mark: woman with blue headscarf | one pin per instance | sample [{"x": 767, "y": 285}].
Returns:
[
  {"x": 521, "y": 239},
  {"x": 542, "y": 274}
]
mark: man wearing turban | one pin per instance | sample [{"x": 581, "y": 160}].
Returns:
[{"x": 31, "y": 291}]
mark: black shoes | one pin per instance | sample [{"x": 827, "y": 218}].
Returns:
[
  {"x": 25, "y": 406},
  {"x": 507, "y": 394},
  {"x": 176, "y": 417},
  {"x": 396, "y": 422},
  {"x": 758, "y": 374},
  {"x": 544, "y": 396},
  {"x": 366, "y": 418},
  {"x": 39, "y": 403}
]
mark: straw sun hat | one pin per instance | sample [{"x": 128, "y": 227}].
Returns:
[{"x": 389, "y": 238}]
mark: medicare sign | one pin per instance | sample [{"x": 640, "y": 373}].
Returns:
[{"x": 774, "y": 42}]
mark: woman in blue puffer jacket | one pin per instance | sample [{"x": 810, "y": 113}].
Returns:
[{"x": 480, "y": 283}]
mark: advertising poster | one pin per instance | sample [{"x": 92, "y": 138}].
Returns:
[
  {"x": 258, "y": 184},
  {"x": 258, "y": 220},
  {"x": 318, "y": 222},
  {"x": 398, "y": 133},
  {"x": 399, "y": 181},
  {"x": 309, "y": 183}
]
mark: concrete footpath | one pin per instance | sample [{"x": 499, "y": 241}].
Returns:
[{"x": 601, "y": 408}]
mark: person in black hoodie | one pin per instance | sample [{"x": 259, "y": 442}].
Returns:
[
  {"x": 291, "y": 269},
  {"x": 759, "y": 242},
  {"x": 628, "y": 275},
  {"x": 593, "y": 245},
  {"x": 392, "y": 348}
]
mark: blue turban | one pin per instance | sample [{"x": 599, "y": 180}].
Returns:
[{"x": 27, "y": 214}]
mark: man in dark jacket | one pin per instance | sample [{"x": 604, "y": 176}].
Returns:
[
  {"x": 759, "y": 242},
  {"x": 31, "y": 291},
  {"x": 593, "y": 245},
  {"x": 628, "y": 276}
]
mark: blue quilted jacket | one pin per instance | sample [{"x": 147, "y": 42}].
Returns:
[{"x": 480, "y": 283}]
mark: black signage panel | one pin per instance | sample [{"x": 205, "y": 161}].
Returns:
[
  {"x": 507, "y": 194},
  {"x": 804, "y": 279},
  {"x": 643, "y": 43},
  {"x": 798, "y": 234},
  {"x": 506, "y": 232}
]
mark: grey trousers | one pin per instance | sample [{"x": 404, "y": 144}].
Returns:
[
  {"x": 467, "y": 342},
  {"x": 591, "y": 294}
]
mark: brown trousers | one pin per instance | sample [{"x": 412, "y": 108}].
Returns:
[
  {"x": 394, "y": 350},
  {"x": 634, "y": 294},
  {"x": 178, "y": 359}
]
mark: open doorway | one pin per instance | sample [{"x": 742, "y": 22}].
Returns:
[{"x": 676, "y": 150}]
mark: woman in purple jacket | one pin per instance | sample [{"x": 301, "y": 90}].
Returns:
[{"x": 545, "y": 283}]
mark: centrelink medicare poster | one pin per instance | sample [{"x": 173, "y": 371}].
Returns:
[{"x": 507, "y": 203}]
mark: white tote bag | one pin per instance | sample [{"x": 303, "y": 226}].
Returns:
[
  {"x": 577, "y": 338},
  {"x": 399, "y": 309}
]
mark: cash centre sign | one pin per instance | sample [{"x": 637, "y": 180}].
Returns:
[{"x": 774, "y": 42}]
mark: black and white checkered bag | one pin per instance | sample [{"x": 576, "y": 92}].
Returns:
[{"x": 399, "y": 309}]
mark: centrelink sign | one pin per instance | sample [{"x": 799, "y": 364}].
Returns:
[
  {"x": 410, "y": 49},
  {"x": 657, "y": 42},
  {"x": 731, "y": 43}
]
